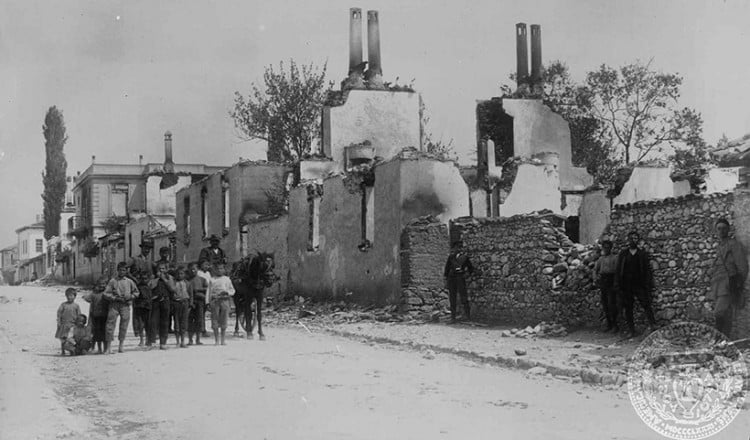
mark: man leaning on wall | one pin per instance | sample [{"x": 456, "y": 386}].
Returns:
[{"x": 727, "y": 278}]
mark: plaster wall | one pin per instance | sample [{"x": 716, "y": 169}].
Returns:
[
  {"x": 389, "y": 120},
  {"x": 537, "y": 129},
  {"x": 163, "y": 201},
  {"x": 478, "y": 203},
  {"x": 722, "y": 179},
  {"x": 646, "y": 184},
  {"x": 431, "y": 187},
  {"x": 593, "y": 215},
  {"x": 29, "y": 236},
  {"x": 535, "y": 188},
  {"x": 681, "y": 188}
]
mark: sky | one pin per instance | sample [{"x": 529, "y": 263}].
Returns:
[{"x": 124, "y": 72}]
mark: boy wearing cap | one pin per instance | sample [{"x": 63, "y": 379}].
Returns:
[
  {"x": 120, "y": 293},
  {"x": 213, "y": 254}
]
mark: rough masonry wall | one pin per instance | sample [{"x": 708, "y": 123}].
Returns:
[
  {"x": 528, "y": 271},
  {"x": 679, "y": 235},
  {"x": 424, "y": 250},
  {"x": 741, "y": 225}
]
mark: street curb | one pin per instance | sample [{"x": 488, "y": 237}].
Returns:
[{"x": 586, "y": 375}]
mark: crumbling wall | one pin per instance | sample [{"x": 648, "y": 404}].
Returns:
[
  {"x": 424, "y": 250},
  {"x": 679, "y": 235},
  {"x": 527, "y": 271}
]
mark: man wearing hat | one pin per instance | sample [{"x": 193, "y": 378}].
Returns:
[
  {"x": 727, "y": 278},
  {"x": 213, "y": 254},
  {"x": 457, "y": 268},
  {"x": 604, "y": 275},
  {"x": 142, "y": 263}
]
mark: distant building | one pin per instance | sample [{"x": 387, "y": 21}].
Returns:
[
  {"x": 31, "y": 251},
  {"x": 8, "y": 262},
  {"x": 112, "y": 201}
]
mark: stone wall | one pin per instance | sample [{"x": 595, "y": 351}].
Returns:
[
  {"x": 527, "y": 271},
  {"x": 679, "y": 235},
  {"x": 424, "y": 250}
]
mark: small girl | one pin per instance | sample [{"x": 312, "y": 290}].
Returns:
[
  {"x": 79, "y": 338},
  {"x": 98, "y": 311},
  {"x": 66, "y": 317}
]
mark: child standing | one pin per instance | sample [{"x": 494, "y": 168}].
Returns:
[
  {"x": 120, "y": 292},
  {"x": 181, "y": 306},
  {"x": 220, "y": 290},
  {"x": 197, "y": 286},
  {"x": 79, "y": 337},
  {"x": 142, "y": 310},
  {"x": 66, "y": 317},
  {"x": 162, "y": 290},
  {"x": 204, "y": 271},
  {"x": 98, "y": 311}
]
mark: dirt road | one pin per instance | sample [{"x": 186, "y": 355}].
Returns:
[{"x": 295, "y": 385}]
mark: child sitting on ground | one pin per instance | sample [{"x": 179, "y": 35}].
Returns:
[
  {"x": 66, "y": 317},
  {"x": 220, "y": 290},
  {"x": 78, "y": 341}
]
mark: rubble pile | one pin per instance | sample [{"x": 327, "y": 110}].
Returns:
[{"x": 541, "y": 330}]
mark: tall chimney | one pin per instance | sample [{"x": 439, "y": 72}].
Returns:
[
  {"x": 355, "y": 38},
  {"x": 140, "y": 159},
  {"x": 373, "y": 45},
  {"x": 536, "y": 54},
  {"x": 168, "y": 164},
  {"x": 93, "y": 159},
  {"x": 522, "y": 55}
]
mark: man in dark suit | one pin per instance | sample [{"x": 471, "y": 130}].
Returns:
[
  {"x": 634, "y": 280},
  {"x": 213, "y": 254},
  {"x": 457, "y": 268}
]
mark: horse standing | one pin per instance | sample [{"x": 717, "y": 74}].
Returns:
[{"x": 250, "y": 278}]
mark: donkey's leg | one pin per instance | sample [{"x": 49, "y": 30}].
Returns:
[{"x": 259, "y": 308}]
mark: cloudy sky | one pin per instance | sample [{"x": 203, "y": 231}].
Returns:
[{"x": 123, "y": 72}]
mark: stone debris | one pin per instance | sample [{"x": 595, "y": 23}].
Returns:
[
  {"x": 520, "y": 352},
  {"x": 542, "y": 330},
  {"x": 536, "y": 371},
  {"x": 4, "y": 299}
]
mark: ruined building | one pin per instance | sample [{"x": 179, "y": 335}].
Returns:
[
  {"x": 524, "y": 151},
  {"x": 370, "y": 180}
]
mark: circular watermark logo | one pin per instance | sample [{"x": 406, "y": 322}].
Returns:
[{"x": 686, "y": 381}]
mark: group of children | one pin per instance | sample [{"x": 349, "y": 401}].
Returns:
[{"x": 155, "y": 298}]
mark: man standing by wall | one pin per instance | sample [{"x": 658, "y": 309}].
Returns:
[
  {"x": 604, "y": 271},
  {"x": 141, "y": 263},
  {"x": 457, "y": 268},
  {"x": 727, "y": 278},
  {"x": 213, "y": 254},
  {"x": 635, "y": 280}
]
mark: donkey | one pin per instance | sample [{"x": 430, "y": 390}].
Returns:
[{"x": 251, "y": 276}]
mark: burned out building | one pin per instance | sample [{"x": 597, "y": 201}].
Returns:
[{"x": 370, "y": 180}]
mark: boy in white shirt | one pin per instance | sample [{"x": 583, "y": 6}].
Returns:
[
  {"x": 204, "y": 271},
  {"x": 221, "y": 291}
]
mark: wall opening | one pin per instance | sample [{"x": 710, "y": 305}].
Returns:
[
  {"x": 130, "y": 244},
  {"x": 225, "y": 204},
  {"x": 368, "y": 216},
  {"x": 572, "y": 228},
  {"x": 313, "y": 237},
  {"x": 185, "y": 215},
  {"x": 204, "y": 212}
]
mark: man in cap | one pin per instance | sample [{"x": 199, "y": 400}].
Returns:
[
  {"x": 635, "y": 281},
  {"x": 213, "y": 254},
  {"x": 142, "y": 263},
  {"x": 457, "y": 268},
  {"x": 727, "y": 278}
]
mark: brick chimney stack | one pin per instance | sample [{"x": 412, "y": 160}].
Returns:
[
  {"x": 168, "y": 163},
  {"x": 93, "y": 159},
  {"x": 374, "y": 67},
  {"x": 355, "y": 38},
  {"x": 536, "y": 55},
  {"x": 522, "y": 56}
]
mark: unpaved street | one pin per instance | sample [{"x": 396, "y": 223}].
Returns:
[{"x": 295, "y": 385}]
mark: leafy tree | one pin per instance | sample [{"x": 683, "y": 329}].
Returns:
[
  {"x": 639, "y": 110},
  {"x": 53, "y": 176},
  {"x": 429, "y": 143},
  {"x": 284, "y": 111}
]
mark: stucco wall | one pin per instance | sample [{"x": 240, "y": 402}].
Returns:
[
  {"x": 248, "y": 183},
  {"x": 646, "y": 184},
  {"x": 270, "y": 235},
  {"x": 163, "y": 201},
  {"x": 722, "y": 179},
  {"x": 537, "y": 129},
  {"x": 593, "y": 215},
  {"x": 389, "y": 120},
  {"x": 431, "y": 187},
  {"x": 30, "y": 236},
  {"x": 536, "y": 187}
]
